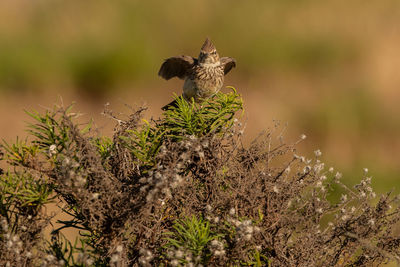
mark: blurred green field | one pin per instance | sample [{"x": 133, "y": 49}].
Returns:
[{"x": 330, "y": 69}]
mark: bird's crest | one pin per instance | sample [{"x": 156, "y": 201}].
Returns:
[{"x": 208, "y": 47}]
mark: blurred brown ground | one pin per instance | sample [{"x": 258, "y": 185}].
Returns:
[{"x": 330, "y": 69}]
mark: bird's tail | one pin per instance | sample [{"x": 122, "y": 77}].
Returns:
[{"x": 168, "y": 106}]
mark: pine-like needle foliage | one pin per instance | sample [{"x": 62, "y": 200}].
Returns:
[{"x": 183, "y": 190}]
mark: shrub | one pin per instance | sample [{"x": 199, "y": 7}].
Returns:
[{"x": 184, "y": 190}]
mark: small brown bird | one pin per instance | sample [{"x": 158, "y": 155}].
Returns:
[{"x": 203, "y": 76}]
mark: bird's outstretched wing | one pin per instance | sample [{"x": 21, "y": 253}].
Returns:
[
  {"x": 228, "y": 63},
  {"x": 176, "y": 67}
]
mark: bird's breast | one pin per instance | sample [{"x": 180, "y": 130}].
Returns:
[
  {"x": 189, "y": 88},
  {"x": 203, "y": 82}
]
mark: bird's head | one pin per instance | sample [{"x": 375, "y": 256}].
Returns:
[{"x": 208, "y": 54}]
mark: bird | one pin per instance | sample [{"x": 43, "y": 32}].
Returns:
[{"x": 203, "y": 76}]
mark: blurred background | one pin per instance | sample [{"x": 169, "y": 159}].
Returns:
[{"x": 329, "y": 69}]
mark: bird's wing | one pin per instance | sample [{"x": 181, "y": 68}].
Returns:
[
  {"x": 228, "y": 63},
  {"x": 176, "y": 67}
]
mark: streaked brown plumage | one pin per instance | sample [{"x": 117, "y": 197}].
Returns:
[{"x": 203, "y": 76}]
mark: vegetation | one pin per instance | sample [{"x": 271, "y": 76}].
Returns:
[
  {"x": 184, "y": 191},
  {"x": 325, "y": 74}
]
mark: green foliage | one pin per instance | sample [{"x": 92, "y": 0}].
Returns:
[
  {"x": 20, "y": 153},
  {"x": 191, "y": 235},
  {"x": 77, "y": 254},
  {"x": 49, "y": 130},
  {"x": 22, "y": 194},
  {"x": 143, "y": 143},
  {"x": 212, "y": 116},
  {"x": 258, "y": 260},
  {"x": 56, "y": 151},
  {"x": 104, "y": 146},
  {"x": 123, "y": 194}
]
